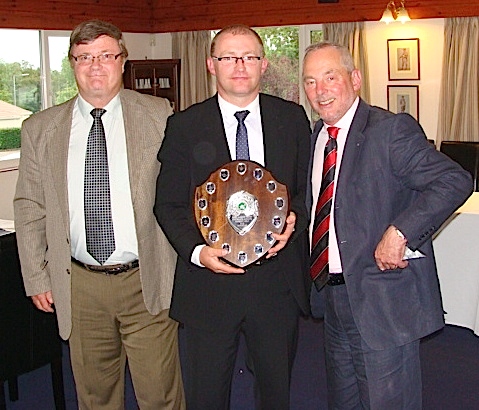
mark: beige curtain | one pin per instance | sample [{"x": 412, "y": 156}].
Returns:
[
  {"x": 351, "y": 35},
  {"x": 192, "y": 48},
  {"x": 459, "y": 100}
]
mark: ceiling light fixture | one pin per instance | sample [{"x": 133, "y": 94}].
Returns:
[{"x": 393, "y": 13}]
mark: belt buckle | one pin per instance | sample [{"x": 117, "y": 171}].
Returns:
[{"x": 117, "y": 270}]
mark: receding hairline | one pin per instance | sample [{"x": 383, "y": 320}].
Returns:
[{"x": 237, "y": 30}]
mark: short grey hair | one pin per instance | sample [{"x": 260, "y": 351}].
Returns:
[{"x": 345, "y": 55}]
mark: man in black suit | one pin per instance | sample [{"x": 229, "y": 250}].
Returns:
[
  {"x": 214, "y": 300},
  {"x": 393, "y": 190}
]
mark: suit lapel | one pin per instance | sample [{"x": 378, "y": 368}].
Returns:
[
  {"x": 135, "y": 118},
  {"x": 314, "y": 138},
  {"x": 57, "y": 147},
  {"x": 273, "y": 135},
  {"x": 354, "y": 144},
  {"x": 214, "y": 130}
]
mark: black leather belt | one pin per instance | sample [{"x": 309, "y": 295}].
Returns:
[
  {"x": 109, "y": 269},
  {"x": 336, "y": 279}
]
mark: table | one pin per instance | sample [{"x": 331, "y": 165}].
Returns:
[
  {"x": 28, "y": 337},
  {"x": 456, "y": 248}
]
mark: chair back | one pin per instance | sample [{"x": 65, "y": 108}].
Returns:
[{"x": 465, "y": 153}]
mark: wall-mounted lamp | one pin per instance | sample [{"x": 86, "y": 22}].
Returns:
[{"x": 393, "y": 13}]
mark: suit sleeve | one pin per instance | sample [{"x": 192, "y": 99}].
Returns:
[
  {"x": 30, "y": 218},
  {"x": 441, "y": 185},
  {"x": 298, "y": 201},
  {"x": 173, "y": 204}
]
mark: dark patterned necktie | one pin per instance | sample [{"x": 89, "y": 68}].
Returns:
[
  {"x": 100, "y": 237},
  {"x": 320, "y": 241},
  {"x": 242, "y": 149}
]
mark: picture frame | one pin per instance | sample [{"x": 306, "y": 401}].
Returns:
[
  {"x": 404, "y": 98},
  {"x": 403, "y": 59}
]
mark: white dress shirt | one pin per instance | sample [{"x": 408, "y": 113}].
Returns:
[
  {"x": 253, "y": 126},
  {"x": 317, "y": 175},
  {"x": 121, "y": 203}
]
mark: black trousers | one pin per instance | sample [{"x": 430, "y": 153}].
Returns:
[{"x": 267, "y": 314}]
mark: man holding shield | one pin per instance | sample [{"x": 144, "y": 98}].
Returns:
[{"x": 217, "y": 301}]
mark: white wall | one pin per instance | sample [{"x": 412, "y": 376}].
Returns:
[
  {"x": 148, "y": 46},
  {"x": 431, "y": 39},
  {"x": 8, "y": 181}
]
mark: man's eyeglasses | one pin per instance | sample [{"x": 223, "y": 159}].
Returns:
[
  {"x": 230, "y": 60},
  {"x": 105, "y": 58}
]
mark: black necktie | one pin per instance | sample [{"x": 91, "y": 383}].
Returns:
[
  {"x": 320, "y": 241},
  {"x": 100, "y": 237},
  {"x": 242, "y": 149}
]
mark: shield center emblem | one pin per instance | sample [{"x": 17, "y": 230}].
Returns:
[{"x": 242, "y": 211}]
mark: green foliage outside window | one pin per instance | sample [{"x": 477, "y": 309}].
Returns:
[
  {"x": 282, "y": 51},
  {"x": 63, "y": 83},
  {"x": 316, "y": 36},
  {"x": 22, "y": 79},
  {"x": 9, "y": 138},
  {"x": 27, "y": 87},
  {"x": 281, "y": 44}
]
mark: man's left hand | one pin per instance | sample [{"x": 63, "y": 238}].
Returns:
[
  {"x": 390, "y": 250},
  {"x": 282, "y": 239}
]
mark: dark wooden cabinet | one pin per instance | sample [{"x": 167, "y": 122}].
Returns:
[{"x": 160, "y": 78}]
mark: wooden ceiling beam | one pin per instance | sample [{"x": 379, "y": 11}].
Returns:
[{"x": 155, "y": 16}]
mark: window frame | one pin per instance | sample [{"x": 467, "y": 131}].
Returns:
[{"x": 45, "y": 66}]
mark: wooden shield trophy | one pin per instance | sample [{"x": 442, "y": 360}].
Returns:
[{"x": 238, "y": 208}]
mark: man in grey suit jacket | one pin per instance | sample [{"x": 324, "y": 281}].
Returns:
[
  {"x": 114, "y": 309},
  {"x": 393, "y": 190}
]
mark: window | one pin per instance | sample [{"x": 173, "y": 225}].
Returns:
[
  {"x": 284, "y": 48},
  {"x": 309, "y": 34},
  {"x": 20, "y": 91},
  {"x": 34, "y": 74},
  {"x": 60, "y": 83},
  {"x": 282, "y": 51}
]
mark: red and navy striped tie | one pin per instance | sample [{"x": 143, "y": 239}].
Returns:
[{"x": 320, "y": 240}]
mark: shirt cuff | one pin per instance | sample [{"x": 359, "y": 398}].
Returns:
[{"x": 195, "y": 256}]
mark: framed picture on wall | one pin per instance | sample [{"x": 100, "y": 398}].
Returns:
[
  {"x": 404, "y": 98},
  {"x": 403, "y": 59}
]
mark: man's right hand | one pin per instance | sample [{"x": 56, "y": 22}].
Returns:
[
  {"x": 44, "y": 301},
  {"x": 210, "y": 258}
]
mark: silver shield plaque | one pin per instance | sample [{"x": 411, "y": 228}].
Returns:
[{"x": 238, "y": 208}]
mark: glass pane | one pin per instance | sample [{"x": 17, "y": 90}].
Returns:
[
  {"x": 20, "y": 89},
  {"x": 316, "y": 36},
  {"x": 282, "y": 51},
  {"x": 63, "y": 86}
]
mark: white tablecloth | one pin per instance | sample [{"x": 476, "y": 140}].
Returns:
[
  {"x": 6, "y": 226},
  {"x": 456, "y": 248}
]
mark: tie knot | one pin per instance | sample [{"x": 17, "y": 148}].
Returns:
[
  {"x": 333, "y": 132},
  {"x": 97, "y": 112},
  {"x": 241, "y": 115}
]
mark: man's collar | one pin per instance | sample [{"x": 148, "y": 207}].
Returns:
[{"x": 85, "y": 107}]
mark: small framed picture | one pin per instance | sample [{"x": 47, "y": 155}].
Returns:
[
  {"x": 403, "y": 59},
  {"x": 404, "y": 98}
]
